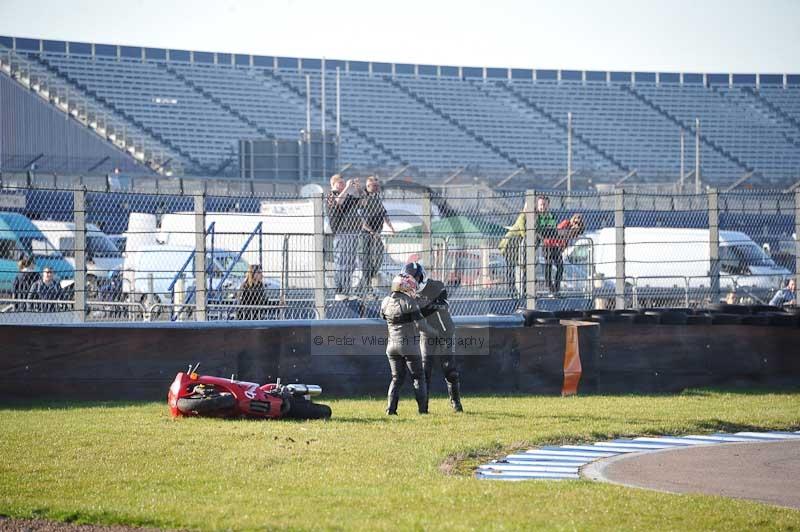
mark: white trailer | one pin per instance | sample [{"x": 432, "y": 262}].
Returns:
[{"x": 280, "y": 237}]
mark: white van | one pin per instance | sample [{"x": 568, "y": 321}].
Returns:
[
  {"x": 663, "y": 257},
  {"x": 102, "y": 256}
]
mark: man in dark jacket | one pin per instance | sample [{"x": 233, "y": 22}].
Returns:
[
  {"x": 436, "y": 348},
  {"x": 371, "y": 246},
  {"x": 343, "y": 215},
  {"x": 46, "y": 289},
  {"x": 26, "y": 277}
]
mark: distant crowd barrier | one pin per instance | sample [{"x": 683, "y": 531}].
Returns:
[{"x": 122, "y": 256}]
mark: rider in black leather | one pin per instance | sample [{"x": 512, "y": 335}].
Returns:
[
  {"x": 405, "y": 323},
  {"x": 437, "y": 348}
]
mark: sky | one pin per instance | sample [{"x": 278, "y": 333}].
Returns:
[{"x": 644, "y": 35}]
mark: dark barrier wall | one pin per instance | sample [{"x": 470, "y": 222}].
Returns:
[
  {"x": 654, "y": 358},
  {"x": 138, "y": 361}
]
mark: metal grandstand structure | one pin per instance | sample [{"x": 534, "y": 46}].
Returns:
[{"x": 147, "y": 111}]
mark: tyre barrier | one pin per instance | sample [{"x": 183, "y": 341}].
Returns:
[
  {"x": 627, "y": 312},
  {"x": 668, "y": 317},
  {"x": 531, "y": 317},
  {"x": 755, "y": 309},
  {"x": 726, "y": 319},
  {"x": 599, "y": 311},
  {"x": 724, "y": 308},
  {"x": 698, "y": 319},
  {"x": 612, "y": 318},
  {"x": 721, "y": 314},
  {"x": 649, "y": 319},
  {"x": 569, "y": 314}
]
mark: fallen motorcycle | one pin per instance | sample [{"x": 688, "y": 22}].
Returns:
[{"x": 201, "y": 395}]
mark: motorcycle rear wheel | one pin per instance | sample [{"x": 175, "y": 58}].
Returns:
[{"x": 301, "y": 408}]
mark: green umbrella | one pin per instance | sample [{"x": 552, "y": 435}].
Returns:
[{"x": 461, "y": 229}]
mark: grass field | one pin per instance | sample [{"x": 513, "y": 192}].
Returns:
[{"x": 132, "y": 464}]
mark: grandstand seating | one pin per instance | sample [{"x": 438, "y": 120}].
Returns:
[
  {"x": 437, "y": 122},
  {"x": 162, "y": 102}
]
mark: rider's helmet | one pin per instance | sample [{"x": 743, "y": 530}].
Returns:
[
  {"x": 417, "y": 271},
  {"x": 405, "y": 284}
]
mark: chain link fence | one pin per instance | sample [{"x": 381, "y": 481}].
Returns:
[{"x": 262, "y": 253}]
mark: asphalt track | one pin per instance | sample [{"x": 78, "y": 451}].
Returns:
[{"x": 764, "y": 472}]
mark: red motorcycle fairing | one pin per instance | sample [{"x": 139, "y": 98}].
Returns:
[{"x": 251, "y": 400}]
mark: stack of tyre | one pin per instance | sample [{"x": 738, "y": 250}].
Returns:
[{"x": 718, "y": 314}]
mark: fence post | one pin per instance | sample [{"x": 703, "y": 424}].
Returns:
[
  {"x": 79, "y": 217},
  {"x": 797, "y": 236},
  {"x": 319, "y": 256},
  {"x": 713, "y": 243},
  {"x": 530, "y": 249},
  {"x": 619, "y": 249},
  {"x": 426, "y": 254},
  {"x": 200, "y": 256}
]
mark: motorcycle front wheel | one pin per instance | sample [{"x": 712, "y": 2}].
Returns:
[{"x": 207, "y": 405}]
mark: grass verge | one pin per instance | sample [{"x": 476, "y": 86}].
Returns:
[{"x": 122, "y": 463}]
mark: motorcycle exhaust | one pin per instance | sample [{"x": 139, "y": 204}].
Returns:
[{"x": 304, "y": 389}]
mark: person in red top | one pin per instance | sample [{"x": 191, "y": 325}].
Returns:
[{"x": 554, "y": 247}]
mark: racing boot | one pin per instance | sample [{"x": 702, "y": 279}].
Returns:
[
  {"x": 393, "y": 399},
  {"x": 421, "y": 395},
  {"x": 454, "y": 391}
]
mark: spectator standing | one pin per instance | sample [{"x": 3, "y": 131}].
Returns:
[
  {"x": 786, "y": 295},
  {"x": 252, "y": 294},
  {"x": 512, "y": 248},
  {"x": 547, "y": 234},
  {"x": 343, "y": 206},
  {"x": 46, "y": 289},
  {"x": 371, "y": 246},
  {"x": 566, "y": 230},
  {"x": 23, "y": 282}
]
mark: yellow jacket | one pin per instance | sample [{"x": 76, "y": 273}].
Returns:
[{"x": 517, "y": 231}]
